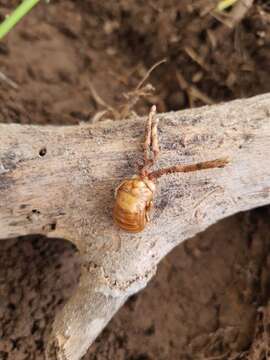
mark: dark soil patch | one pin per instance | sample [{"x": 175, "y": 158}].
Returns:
[{"x": 210, "y": 297}]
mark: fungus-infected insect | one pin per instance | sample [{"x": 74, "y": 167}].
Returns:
[{"x": 134, "y": 197}]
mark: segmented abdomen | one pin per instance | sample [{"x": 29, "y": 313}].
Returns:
[{"x": 132, "y": 222}]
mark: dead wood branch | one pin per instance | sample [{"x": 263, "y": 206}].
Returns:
[{"x": 60, "y": 181}]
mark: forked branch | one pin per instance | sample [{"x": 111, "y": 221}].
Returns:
[{"x": 67, "y": 190}]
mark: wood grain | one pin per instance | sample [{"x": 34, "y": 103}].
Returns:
[{"x": 60, "y": 181}]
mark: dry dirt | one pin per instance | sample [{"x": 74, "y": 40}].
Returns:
[{"x": 70, "y": 60}]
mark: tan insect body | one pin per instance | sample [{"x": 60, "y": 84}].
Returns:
[{"x": 134, "y": 197}]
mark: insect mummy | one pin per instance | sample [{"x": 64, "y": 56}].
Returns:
[{"x": 134, "y": 197}]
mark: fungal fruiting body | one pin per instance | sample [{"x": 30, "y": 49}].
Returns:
[{"x": 134, "y": 197}]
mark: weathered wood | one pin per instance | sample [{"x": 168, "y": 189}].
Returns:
[{"x": 60, "y": 181}]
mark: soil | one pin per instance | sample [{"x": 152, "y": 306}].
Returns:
[{"x": 74, "y": 61}]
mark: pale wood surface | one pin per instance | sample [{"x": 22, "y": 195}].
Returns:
[{"x": 69, "y": 193}]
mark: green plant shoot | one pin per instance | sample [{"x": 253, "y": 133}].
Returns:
[
  {"x": 224, "y": 4},
  {"x": 16, "y": 16}
]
